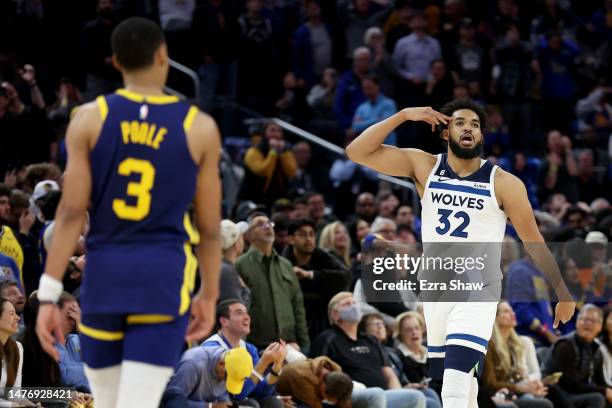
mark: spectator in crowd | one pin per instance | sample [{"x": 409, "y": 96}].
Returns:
[
  {"x": 356, "y": 16},
  {"x": 358, "y": 231},
  {"x": 314, "y": 382},
  {"x": 404, "y": 215},
  {"x": 577, "y": 356},
  {"x": 292, "y": 106},
  {"x": 590, "y": 184},
  {"x": 376, "y": 108},
  {"x": 234, "y": 324},
  {"x": 413, "y": 56},
  {"x": 320, "y": 274},
  {"x": 365, "y": 208},
  {"x": 281, "y": 231},
  {"x": 349, "y": 181},
  {"x": 9, "y": 245},
  {"x": 595, "y": 111},
  {"x": 312, "y": 46},
  {"x": 508, "y": 362},
  {"x": 215, "y": 31},
  {"x": 269, "y": 167},
  {"x": 336, "y": 241},
  {"x": 525, "y": 168},
  {"x": 440, "y": 84},
  {"x": 512, "y": 82},
  {"x": 231, "y": 285},
  {"x": 277, "y": 304},
  {"x": 387, "y": 203},
  {"x": 68, "y": 98},
  {"x": 382, "y": 63},
  {"x": 410, "y": 348},
  {"x": 556, "y": 61},
  {"x": 385, "y": 227},
  {"x": 39, "y": 368},
  {"x": 214, "y": 376},
  {"x": 558, "y": 171},
  {"x": 9, "y": 289},
  {"x": 72, "y": 368},
  {"x": 321, "y": 99},
  {"x": 360, "y": 356},
  {"x": 304, "y": 179},
  {"x": 35, "y": 173},
  {"x": 349, "y": 94},
  {"x": 499, "y": 139},
  {"x": 528, "y": 295},
  {"x": 317, "y": 211},
  {"x": 468, "y": 59},
  {"x": 11, "y": 352},
  {"x": 605, "y": 342},
  {"x": 374, "y": 326},
  {"x": 257, "y": 62},
  {"x": 95, "y": 37},
  {"x": 402, "y": 29}
]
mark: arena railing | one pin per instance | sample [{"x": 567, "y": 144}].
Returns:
[{"x": 254, "y": 118}]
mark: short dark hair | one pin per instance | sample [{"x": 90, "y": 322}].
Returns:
[
  {"x": 311, "y": 194},
  {"x": 134, "y": 42},
  {"x": 49, "y": 203},
  {"x": 372, "y": 77},
  {"x": 299, "y": 223},
  {"x": 5, "y": 190},
  {"x": 338, "y": 385},
  {"x": 7, "y": 283},
  {"x": 468, "y": 104},
  {"x": 223, "y": 308}
]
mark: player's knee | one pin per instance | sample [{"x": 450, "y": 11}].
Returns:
[
  {"x": 464, "y": 359},
  {"x": 456, "y": 385}
]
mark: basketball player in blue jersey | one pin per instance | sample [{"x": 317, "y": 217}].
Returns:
[
  {"x": 464, "y": 199},
  {"x": 140, "y": 158}
]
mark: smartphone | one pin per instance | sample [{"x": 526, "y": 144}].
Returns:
[
  {"x": 426, "y": 380},
  {"x": 552, "y": 379}
]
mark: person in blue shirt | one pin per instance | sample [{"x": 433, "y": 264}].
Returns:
[
  {"x": 376, "y": 108},
  {"x": 349, "y": 94},
  {"x": 234, "y": 325}
]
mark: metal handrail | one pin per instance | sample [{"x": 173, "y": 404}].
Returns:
[
  {"x": 329, "y": 146},
  {"x": 191, "y": 74}
]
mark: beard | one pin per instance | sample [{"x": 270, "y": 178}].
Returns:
[{"x": 465, "y": 153}]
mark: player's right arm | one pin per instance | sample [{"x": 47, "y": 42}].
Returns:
[
  {"x": 368, "y": 148},
  {"x": 69, "y": 222},
  {"x": 205, "y": 138}
]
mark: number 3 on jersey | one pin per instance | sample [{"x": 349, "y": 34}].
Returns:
[
  {"x": 140, "y": 190},
  {"x": 458, "y": 232}
]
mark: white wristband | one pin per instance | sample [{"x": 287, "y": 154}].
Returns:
[
  {"x": 49, "y": 289},
  {"x": 256, "y": 374}
]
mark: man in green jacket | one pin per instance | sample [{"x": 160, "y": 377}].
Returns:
[{"x": 277, "y": 306}]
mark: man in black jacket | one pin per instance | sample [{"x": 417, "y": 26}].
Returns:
[
  {"x": 321, "y": 275},
  {"x": 578, "y": 357}
]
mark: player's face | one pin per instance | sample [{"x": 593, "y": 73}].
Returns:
[
  {"x": 239, "y": 321},
  {"x": 411, "y": 331},
  {"x": 9, "y": 320},
  {"x": 465, "y": 134}
]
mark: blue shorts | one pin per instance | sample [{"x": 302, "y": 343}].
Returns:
[{"x": 109, "y": 339}]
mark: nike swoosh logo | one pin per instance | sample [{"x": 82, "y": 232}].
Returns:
[{"x": 443, "y": 178}]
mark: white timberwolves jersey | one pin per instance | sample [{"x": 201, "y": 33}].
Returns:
[{"x": 461, "y": 209}]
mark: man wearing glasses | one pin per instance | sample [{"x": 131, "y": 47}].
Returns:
[{"x": 277, "y": 306}]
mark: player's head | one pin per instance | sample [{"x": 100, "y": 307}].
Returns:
[
  {"x": 464, "y": 133},
  {"x": 139, "y": 46}
]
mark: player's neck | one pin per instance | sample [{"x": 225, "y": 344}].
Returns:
[
  {"x": 463, "y": 167},
  {"x": 145, "y": 84}
]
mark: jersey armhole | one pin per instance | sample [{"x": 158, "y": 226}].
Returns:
[
  {"x": 492, "y": 182},
  {"x": 431, "y": 173},
  {"x": 191, "y": 115},
  {"x": 102, "y": 107}
]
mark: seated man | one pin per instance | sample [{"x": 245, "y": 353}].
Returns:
[
  {"x": 578, "y": 357},
  {"x": 72, "y": 369},
  {"x": 234, "y": 325},
  {"x": 360, "y": 356}
]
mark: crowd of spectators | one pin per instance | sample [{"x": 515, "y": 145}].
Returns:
[{"x": 294, "y": 326}]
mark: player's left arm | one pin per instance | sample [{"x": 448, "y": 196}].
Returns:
[
  {"x": 512, "y": 196},
  {"x": 69, "y": 221}
]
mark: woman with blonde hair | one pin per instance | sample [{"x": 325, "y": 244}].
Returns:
[
  {"x": 335, "y": 240},
  {"x": 511, "y": 365}
]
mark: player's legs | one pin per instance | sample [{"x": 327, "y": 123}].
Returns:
[
  {"x": 102, "y": 346},
  {"x": 150, "y": 353},
  {"x": 469, "y": 329},
  {"x": 436, "y": 314}
]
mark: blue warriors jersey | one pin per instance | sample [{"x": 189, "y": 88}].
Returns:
[{"x": 143, "y": 181}]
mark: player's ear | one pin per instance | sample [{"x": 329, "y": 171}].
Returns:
[
  {"x": 445, "y": 134},
  {"x": 161, "y": 55},
  {"x": 115, "y": 62}
]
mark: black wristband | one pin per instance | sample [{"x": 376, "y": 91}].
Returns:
[{"x": 274, "y": 373}]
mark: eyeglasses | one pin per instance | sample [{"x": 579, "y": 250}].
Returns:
[
  {"x": 264, "y": 224},
  {"x": 376, "y": 324}
]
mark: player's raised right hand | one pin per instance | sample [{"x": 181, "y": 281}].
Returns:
[
  {"x": 49, "y": 329},
  {"x": 426, "y": 114}
]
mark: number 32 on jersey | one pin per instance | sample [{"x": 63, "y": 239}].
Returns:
[
  {"x": 140, "y": 190},
  {"x": 445, "y": 223}
]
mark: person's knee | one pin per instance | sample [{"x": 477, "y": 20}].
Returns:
[
  {"x": 373, "y": 397},
  {"x": 597, "y": 401}
]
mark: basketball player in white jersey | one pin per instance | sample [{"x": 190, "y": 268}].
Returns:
[{"x": 464, "y": 199}]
